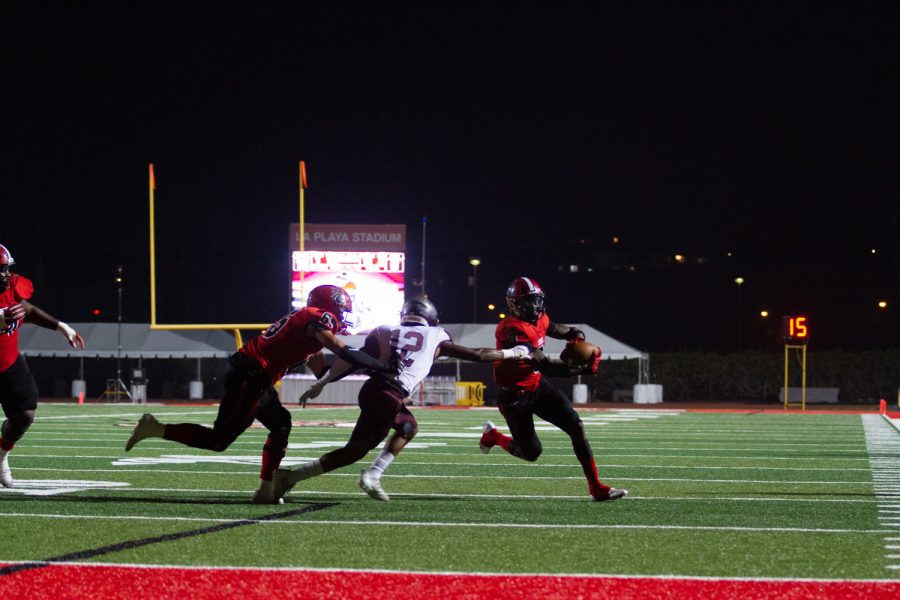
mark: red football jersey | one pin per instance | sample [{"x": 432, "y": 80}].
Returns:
[
  {"x": 285, "y": 343},
  {"x": 19, "y": 289},
  {"x": 512, "y": 331}
]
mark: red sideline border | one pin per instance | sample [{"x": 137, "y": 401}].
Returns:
[{"x": 63, "y": 582}]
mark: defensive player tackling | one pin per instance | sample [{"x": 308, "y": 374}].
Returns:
[{"x": 250, "y": 379}]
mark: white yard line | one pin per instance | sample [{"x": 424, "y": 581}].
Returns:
[
  {"x": 130, "y": 415},
  {"x": 505, "y": 464},
  {"x": 883, "y": 445},
  {"x": 479, "y": 476},
  {"x": 329, "y": 522}
]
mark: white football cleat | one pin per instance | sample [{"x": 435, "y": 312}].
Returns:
[
  {"x": 281, "y": 483},
  {"x": 487, "y": 437},
  {"x": 6, "y": 478},
  {"x": 372, "y": 486},
  {"x": 612, "y": 494},
  {"x": 146, "y": 427},
  {"x": 266, "y": 494}
]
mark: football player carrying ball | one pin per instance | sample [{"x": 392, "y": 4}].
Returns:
[{"x": 524, "y": 393}]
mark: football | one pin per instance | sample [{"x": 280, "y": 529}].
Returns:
[{"x": 578, "y": 354}]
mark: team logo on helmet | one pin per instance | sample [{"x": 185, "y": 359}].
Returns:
[{"x": 335, "y": 300}]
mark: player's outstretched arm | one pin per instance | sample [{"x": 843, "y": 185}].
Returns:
[
  {"x": 451, "y": 350},
  {"x": 35, "y": 315},
  {"x": 357, "y": 358}
]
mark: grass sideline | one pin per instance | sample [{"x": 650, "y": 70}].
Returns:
[{"x": 734, "y": 495}]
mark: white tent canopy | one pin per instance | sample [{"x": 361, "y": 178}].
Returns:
[
  {"x": 101, "y": 340},
  {"x": 139, "y": 341}
]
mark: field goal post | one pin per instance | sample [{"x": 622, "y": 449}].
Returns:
[
  {"x": 802, "y": 348},
  {"x": 233, "y": 328}
]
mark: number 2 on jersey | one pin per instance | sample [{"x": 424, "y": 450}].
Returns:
[{"x": 412, "y": 342}]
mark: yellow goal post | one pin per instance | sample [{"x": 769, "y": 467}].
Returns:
[{"x": 234, "y": 328}]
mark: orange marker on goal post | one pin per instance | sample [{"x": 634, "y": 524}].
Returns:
[{"x": 80, "y": 397}]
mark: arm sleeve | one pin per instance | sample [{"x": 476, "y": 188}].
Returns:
[{"x": 361, "y": 359}]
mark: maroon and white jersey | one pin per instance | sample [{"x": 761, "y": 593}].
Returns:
[
  {"x": 415, "y": 345},
  {"x": 19, "y": 289},
  {"x": 286, "y": 343}
]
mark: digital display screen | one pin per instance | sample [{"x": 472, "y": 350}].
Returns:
[
  {"x": 374, "y": 281},
  {"x": 795, "y": 328}
]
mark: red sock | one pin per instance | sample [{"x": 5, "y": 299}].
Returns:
[
  {"x": 271, "y": 459},
  {"x": 502, "y": 440},
  {"x": 590, "y": 471},
  {"x": 6, "y": 445},
  {"x": 596, "y": 488}
]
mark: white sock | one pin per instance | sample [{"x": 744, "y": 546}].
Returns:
[
  {"x": 305, "y": 471},
  {"x": 381, "y": 463}
]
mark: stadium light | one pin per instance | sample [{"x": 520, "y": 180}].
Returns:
[
  {"x": 740, "y": 341},
  {"x": 474, "y": 261}
]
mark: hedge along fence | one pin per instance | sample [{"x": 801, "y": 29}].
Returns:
[{"x": 861, "y": 377}]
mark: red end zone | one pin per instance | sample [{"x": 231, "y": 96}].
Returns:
[{"x": 104, "y": 581}]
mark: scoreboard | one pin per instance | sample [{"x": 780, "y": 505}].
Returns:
[
  {"x": 795, "y": 328},
  {"x": 368, "y": 261}
]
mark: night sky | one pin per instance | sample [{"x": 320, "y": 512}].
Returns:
[{"x": 757, "y": 140}]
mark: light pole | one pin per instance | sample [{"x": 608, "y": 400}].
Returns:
[
  {"x": 117, "y": 388},
  {"x": 474, "y": 261},
  {"x": 740, "y": 342}
]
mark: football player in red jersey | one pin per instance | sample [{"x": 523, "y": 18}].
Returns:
[
  {"x": 524, "y": 393},
  {"x": 250, "y": 378},
  {"x": 18, "y": 391}
]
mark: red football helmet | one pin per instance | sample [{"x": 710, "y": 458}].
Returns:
[
  {"x": 525, "y": 299},
  {"x": 5, "y": 257},
  {"x": 333, "y": 299},
  {"x": 6, "y": 265}
]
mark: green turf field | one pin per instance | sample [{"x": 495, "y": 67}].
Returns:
[{"x": 711, "y": 494}]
